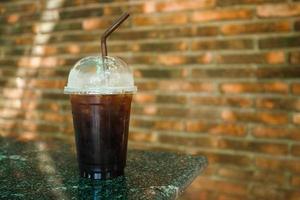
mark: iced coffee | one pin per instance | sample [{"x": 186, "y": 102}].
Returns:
[{"x": 101, "y": 93}]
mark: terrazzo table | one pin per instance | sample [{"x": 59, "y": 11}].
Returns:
[{"x": 46, "y": 168}]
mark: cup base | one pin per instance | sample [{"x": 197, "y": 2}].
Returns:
[{"x": 100, "y": 175}]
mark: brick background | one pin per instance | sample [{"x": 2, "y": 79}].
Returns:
[{"x": 215, "y": 77}]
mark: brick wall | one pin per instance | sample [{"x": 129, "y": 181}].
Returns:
[{"x": 215, "y": 77}]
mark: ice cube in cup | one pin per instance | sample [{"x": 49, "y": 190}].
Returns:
[{"x": 101, "y": 99}]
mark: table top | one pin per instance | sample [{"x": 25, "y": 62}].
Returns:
[{"x": 46, "y": 168}]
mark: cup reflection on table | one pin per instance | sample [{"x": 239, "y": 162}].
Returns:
[{"x": 102, "y": 190}]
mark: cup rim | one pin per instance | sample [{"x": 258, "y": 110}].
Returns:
[{"x": 100, "y": 90}]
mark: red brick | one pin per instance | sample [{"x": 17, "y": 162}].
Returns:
[
  {"x": 54, "y": 96},
  {"x": 73, "y": 49},
  {"x": 243, "y": 2},
  {"x": 143, "y": 98},
  {"x": 39, "y": 127},
  {"x": 152, "y": 20},
  {"x": 164, "y": 111},
  {"x": 143, "y": 34},
  {"x": 142, "y": 123},
  {"x": 73, "y": 26},
  {"x": 141, "y": 59},
  {"x": 225, "y": 187},
  {"x": 137, "y": 136},
  {"x": 252, "y": 146},
  {"x": 294, "y": 166},
  {"x": 221, "y": 101},
  {"x": 269, "y": 58},
  {"x": 228, "y": 159},
  {"x": 243, "y": 72},
  {"x": 138, "y": 110},
  {"x": 182, "y": 5},
  {"x": 147, "y": 86},
  {"x": 217, "y": 15},
  {"x": 200, "y": 113},
  {"x": 11, "y": 114},
  {"x": 47, "y": 84},
  {"x": 171, "y": 99},
  {"x": 275, "y": 87},
  {"x": 13, "y": 18},
  {"x": 8, "y": 62},
  {"x": 296, "y": 88},
  {"x": 255, "y": 117},
  {"x": 269, "y": 178},
  {"x": 84, "y": 12},
  {"x": 68, "y": 129},
  {"x": 295, "y": 151},
  {"x": 169, "y": 125},
  {"x": 191, "y": 142},
  {"x": 235, "y": 173},
  {"x": 278, "y": 10},
  {"x": 49, "y": 50},
  {"x": 276, "y": 164},
  {"x": 295, "y": 57},
  {"x": 247, "y": 175},
  {"x": 291, "y": 104},
  {"x": 8, "y": 125},
  {"x": 172, "y": 112},
  {"x": 250, "y": 28},
  {"x": 22, "y": 40},
  {"x": 218, "y": 129},
  {"x": 160, "y": 47},
  {"x": 95, "y": 23},
  {"x": 293, "y": 195},
  {"x": 185, "y": 86},
  {"x": 44, "y": 62},
  {"x": 167, "y": 32},
  {"x": 297, "y": 25},
  {"x": 276, "y": 133},
  {"x": 160, "y": 73},
  {"x": 51, "y": 117},
  {"x": 295, "y": 181},
  {"x": 222, "y": 44},
  {"x": 230, "y": 196},
  {"x": 279, "y": 42},
  {"x": 296, "y": 118},
  {"x": 193, "y": 193},
  {"x": 171, "y": 60},
  {"x": 26, "y": 7},
  {"x": 278, "y": 72},
  {"x": 12, "y": 93},
  {"x": 273, "y": 164},
  {"x": 264, "y": 191},
  {"x": 203, "y": 31},
  {"x": 272, "y": 118}
]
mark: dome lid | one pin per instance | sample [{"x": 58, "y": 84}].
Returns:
[{"x": 89, "y": 76}]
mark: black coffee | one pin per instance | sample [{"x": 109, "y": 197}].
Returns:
[{"x": 101, "y": 124}]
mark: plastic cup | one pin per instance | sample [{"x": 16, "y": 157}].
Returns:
[{"x": 101, "y": 100}]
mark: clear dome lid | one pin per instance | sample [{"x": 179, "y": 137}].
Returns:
[{"x": 89, "y": 76}]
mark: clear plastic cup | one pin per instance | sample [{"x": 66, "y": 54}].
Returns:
[{"x": 101, "y": 95}]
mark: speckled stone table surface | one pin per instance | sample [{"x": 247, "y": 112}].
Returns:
[{"x": 46, "y": 168}]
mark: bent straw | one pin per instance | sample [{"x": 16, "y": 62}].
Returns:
[{"x": 107, "y": 33}]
